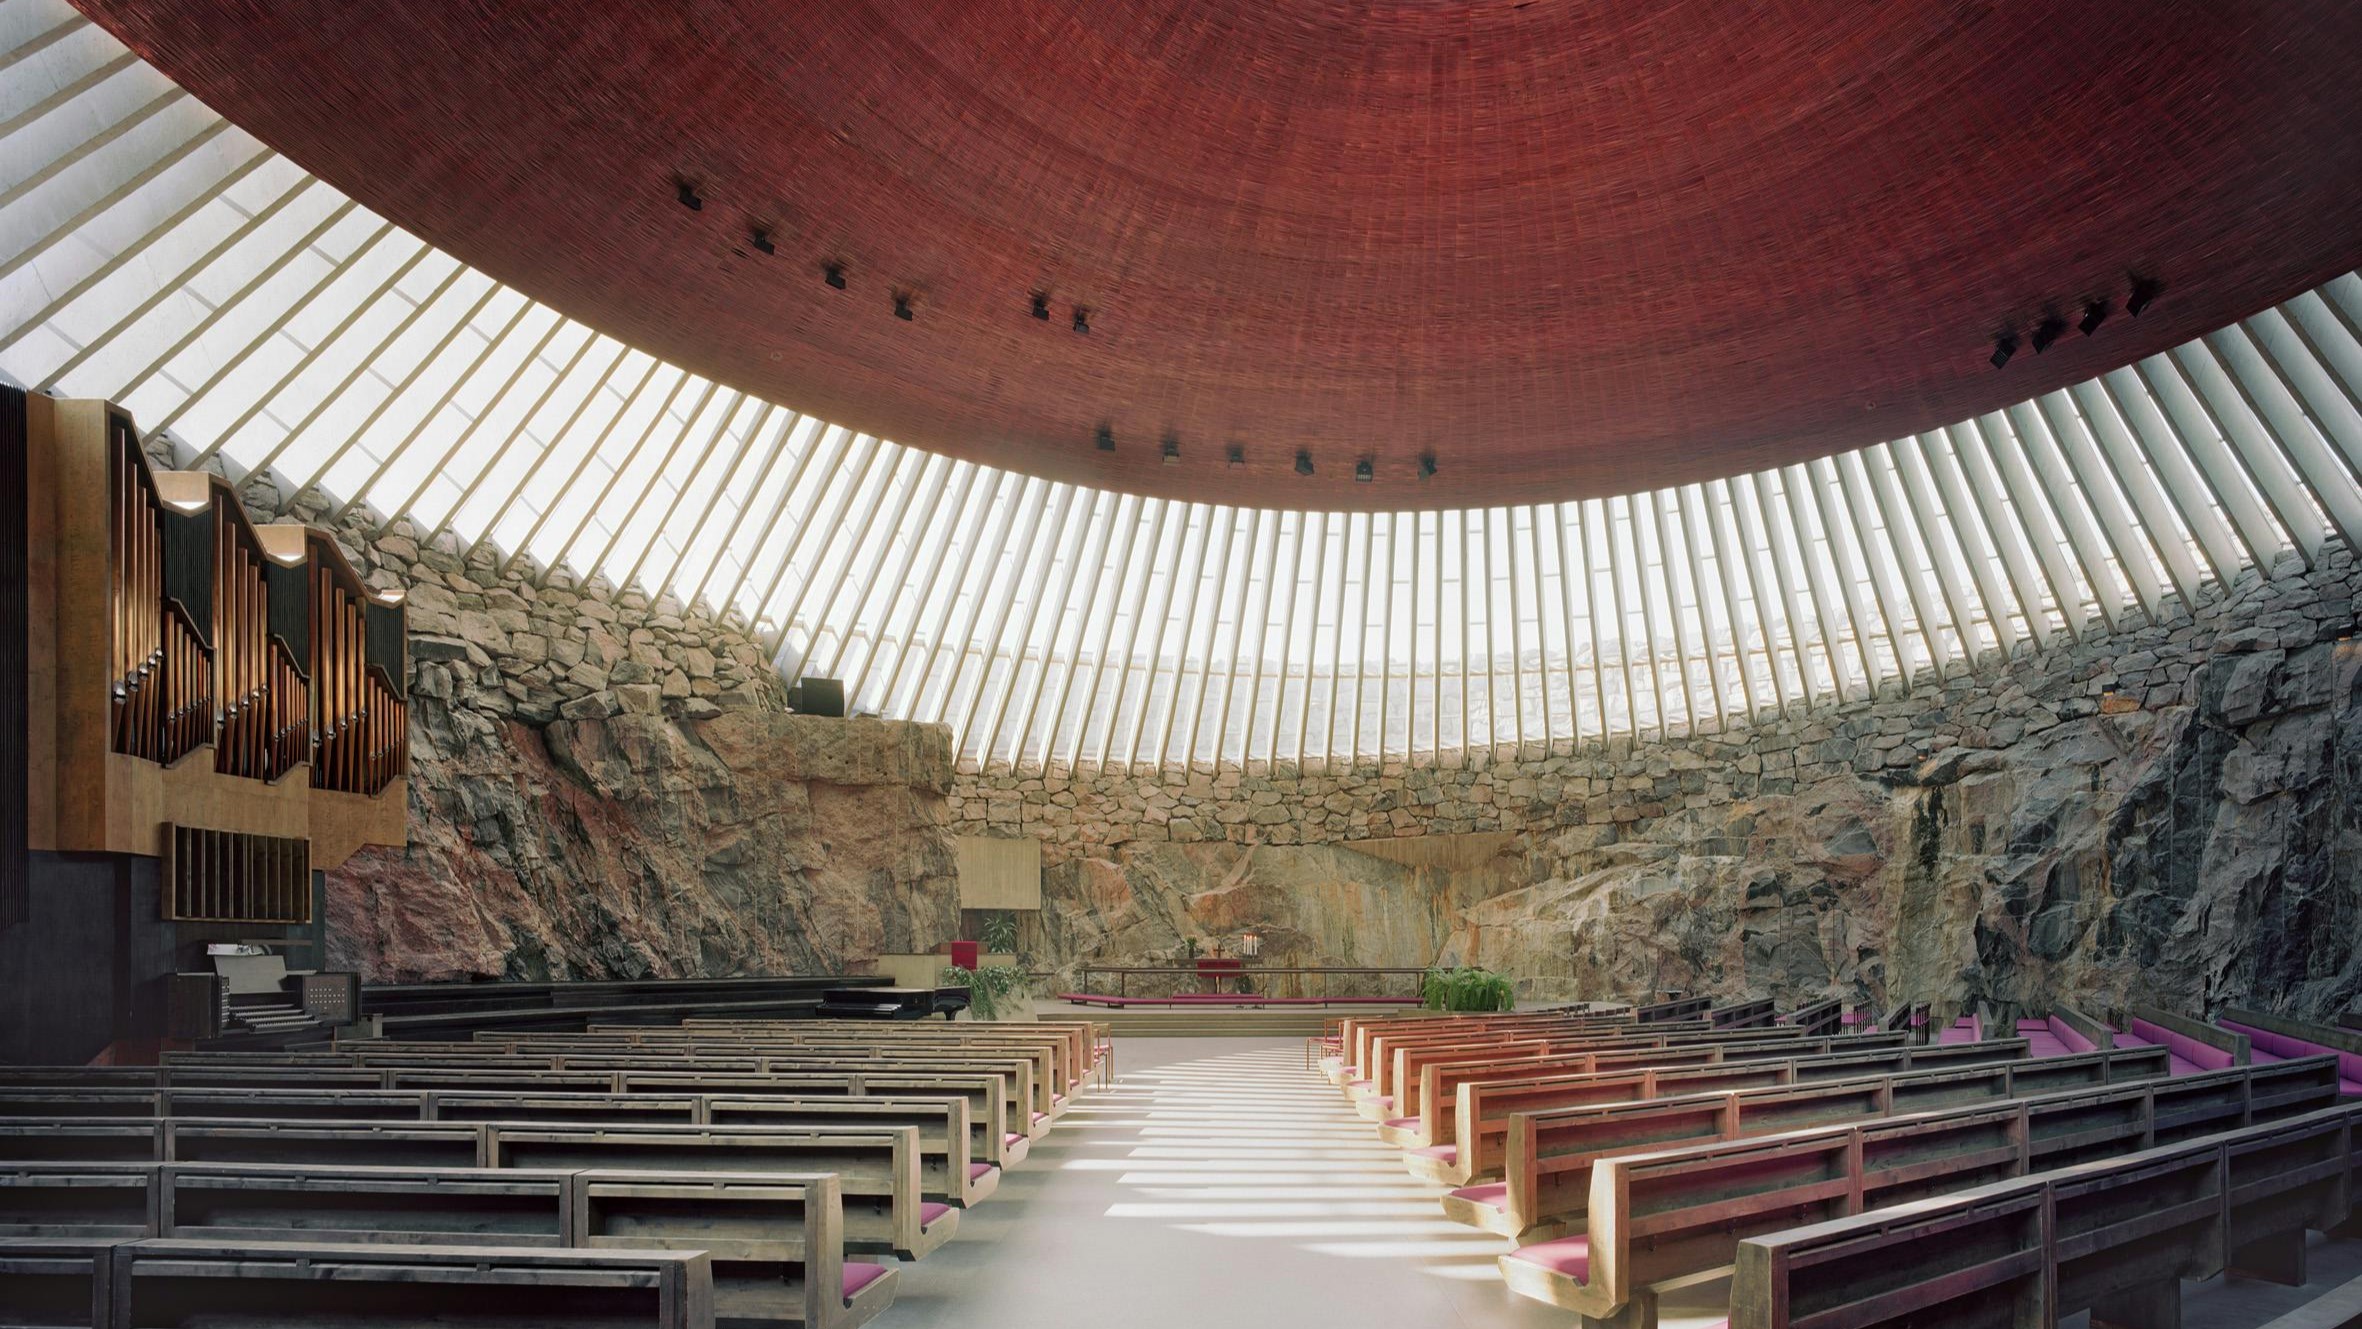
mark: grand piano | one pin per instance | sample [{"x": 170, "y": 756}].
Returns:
[{"x": 892, "y": 1003}]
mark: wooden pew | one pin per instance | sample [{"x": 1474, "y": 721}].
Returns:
[
  {"x": 1553, "y": 1158},
  {"x": 1356, "y": 1033},
  {"x": 1387, "y": 1092},
  {"x": 1677, "y": 1008},
  {"x": 60, "y": 1281},
  {"x": 877, "y": 1168},
  {"x": 1439, "y": 1082},
  {"x": 776, "y": 1239},
  {"x": 1662, "y": 1221},
  {"x": 166, "y": 1284},
  {"x": 1821, "y": 1017},
  {"x": 1477, "y": 1117},
  {"x": 2115, "y": 1238},
  {"x": 945, "y": 1171},
  {"x": 1486, "y": 1112},
  {"x": 1742, "y": 1014}
]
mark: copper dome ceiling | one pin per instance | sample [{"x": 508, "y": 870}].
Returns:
[{"x": 1566, "y": 248}]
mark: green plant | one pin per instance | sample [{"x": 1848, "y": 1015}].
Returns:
[
  {"x": 1188, "y": 951},
  {"x": 1000, "y": 932},
  {"x": 1467, "y": 989},
  {"x": 988, "y": 986}
]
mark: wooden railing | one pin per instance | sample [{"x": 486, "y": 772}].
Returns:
[{"x": 135, "y": 566}]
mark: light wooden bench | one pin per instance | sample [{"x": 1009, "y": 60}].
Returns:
[
  {"x": 1662, "y": 1221},
  {"x": 1551, "y": 1158},
  {"x": 1486, "y": 1113},
  {"x": 2115, "y": 1238},
  {"x": 1467, "y": 1127}
]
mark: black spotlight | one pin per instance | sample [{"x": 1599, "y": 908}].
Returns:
[
  {"x": 1303, "y": 462},
  {"x": 2094, "y": 314},
  {"x": 2004, "y": 346},
  {"x": 1082, "y": 319},
  {"x": 1237, "y": 456},
  {"x": 2144, "y": 293},
  {"x": 1106, "y": 438},
  {"x": 1172, "y": 450},
  {"x": 687, "y": 194},
  {"x": 1364, "y": 471},
  {"x": 2047, "y": 331},
  {"x": 902, "y": 306},
  {"x": 1426, "y": 465},
  {"x": 1041, "y": 306},
  {"x": 761, "y": 240},
  {"x": 834, "y": 273}
]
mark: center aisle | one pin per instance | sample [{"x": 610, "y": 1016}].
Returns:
[{"x": 1218, "y": 1183}]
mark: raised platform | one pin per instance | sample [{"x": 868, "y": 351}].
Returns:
[
  {"x": 1232, "y": 1000},
  {"x": 1198, "y": 1020}
]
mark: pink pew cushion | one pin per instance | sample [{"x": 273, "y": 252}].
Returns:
[
  {"x": 1494, "y": 1196},
  {"x": 1041, "y": 1116},
  {"x": 930, "y": 1212},
  {"x": 1012, "y": 1139},
  {"x": 1442, "y": 1153},
  {"x": 1385, "y": 1100},
  {"x": 2283, "y": 1047},
  {"x": 1567, "y": 1255},
  {"x": 2068, "y": 1036},
  {"x": 1402, "y": 1123},
  {"x": 859, "y": 1276},
  {"x": 979, "y": 1171},
  {"x": 2200, "y": 1055}
]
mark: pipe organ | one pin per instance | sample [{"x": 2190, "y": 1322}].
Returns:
[
  {"x": 214, "y": 714},
  {"x": 241, "y": 679}
]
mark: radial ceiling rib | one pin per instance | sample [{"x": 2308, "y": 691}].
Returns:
[{"x": 265, "y": 323}]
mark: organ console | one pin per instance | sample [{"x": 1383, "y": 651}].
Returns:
[{"x": 214, "y": 713}]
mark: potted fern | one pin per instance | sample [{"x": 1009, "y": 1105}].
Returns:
[{"x": 1467, "y": 988}]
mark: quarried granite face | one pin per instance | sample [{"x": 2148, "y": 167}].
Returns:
[
  {"x": 2169, "y": 813},
  {"x": 602, "y": 787}
]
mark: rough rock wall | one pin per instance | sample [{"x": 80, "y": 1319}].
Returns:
[
  {"x": 2171, "y": 812},
  {"x": 601, "y": 787}
]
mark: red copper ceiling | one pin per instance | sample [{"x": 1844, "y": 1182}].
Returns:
[{"x": 1570, "y": 248}]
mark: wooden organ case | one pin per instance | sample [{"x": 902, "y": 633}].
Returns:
[{"x": 223, "y": 701}]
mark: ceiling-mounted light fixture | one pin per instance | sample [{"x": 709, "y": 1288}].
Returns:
[
  {"x": 1426, "y": 465},
  {"x": 1237, "y": 456},
  {"x": 1041, "y": 306},
  {"x": 687, "y": 194},
  {"x": 1106, "y": 438},
  {"x": 1365, "y": 471},
  {"x": 834, "y": 274},
  {"x": 2094, "y": 314},
  {"x": 1082, "y": 319},
  {"x": 1303, "y": 462},
  {"x": 2144, "y": 293},
  {"x": 902, "y": 306},
  {"x": 2049, "y": 330},
  {"x": 761, "y": 240},
  {"x": 1172, "y": 450},
  {"x": 2004, "y": 346}
]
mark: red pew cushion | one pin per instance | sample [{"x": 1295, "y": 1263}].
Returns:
[
  {"x": 859, "y": 1276},
  {"x": 1567, "y": 1255},
  {"x": 1494, "y": 1196}
]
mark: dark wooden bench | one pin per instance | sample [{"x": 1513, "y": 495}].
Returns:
[
  {"x": 1743, "y": 1014},
  {"x": 167, "y": 1284},
  {"x": 58, "y": 1281}
]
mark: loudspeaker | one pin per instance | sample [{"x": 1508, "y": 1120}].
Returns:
[{"x": 817, "y": 696}]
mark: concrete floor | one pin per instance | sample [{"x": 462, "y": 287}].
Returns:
[{"x": 1221, "y": 1185}]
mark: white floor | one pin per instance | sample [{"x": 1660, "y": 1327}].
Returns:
[
  {"x": 1221, "y": 1185},
  {"x": 1218, "y": 1185}
]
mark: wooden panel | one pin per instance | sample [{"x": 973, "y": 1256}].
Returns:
[
  {"x": 225, "y": 877},
  {"x": 1000, "y": 873}
]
